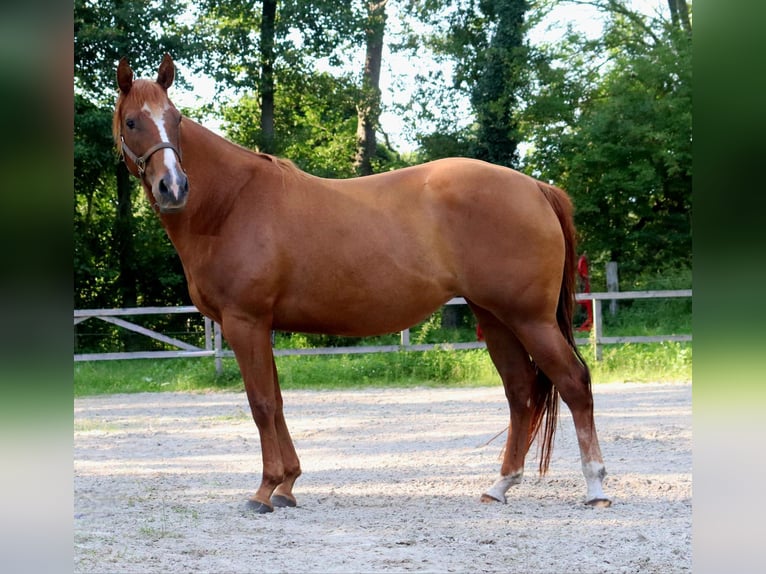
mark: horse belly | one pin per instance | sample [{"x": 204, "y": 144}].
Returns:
[{"x": 360, "y": 308}]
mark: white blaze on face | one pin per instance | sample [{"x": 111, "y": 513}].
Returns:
[
  {"x": 157, "y": 115},
  {"x": 174, "y": 170}
]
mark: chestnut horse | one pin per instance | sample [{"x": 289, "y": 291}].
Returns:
[{"x": 266, "y": 246}]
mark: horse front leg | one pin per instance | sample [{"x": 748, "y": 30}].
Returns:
[
  {"x": 283, "y": 493},
  {"x": 251, "y": 342}
]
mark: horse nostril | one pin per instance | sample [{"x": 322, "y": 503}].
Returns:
[
  {"x": 163, "y": 187},
  {"x": 185, "y": 185}
]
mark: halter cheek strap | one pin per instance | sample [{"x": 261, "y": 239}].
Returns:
[{"x": 140, "y": 161}]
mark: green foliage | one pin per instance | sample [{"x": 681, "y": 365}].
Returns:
[
  {"x": 442, "y": 144},
  {"x": 612, "y": 125},
  {"x": 315, "y": 124},
  {"x": 106, "y": 30},
  {"x": 94, "y": 212},
  {"x": 152, "y": 376},
  {"x": 430, "y": 368},
  {"x": 639, "y": 317},
  {"x": 304, "y": 31},
  {"x": 497, "y": 87},
  {"x": 485, "y": 42}
]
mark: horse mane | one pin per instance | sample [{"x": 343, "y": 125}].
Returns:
[{"x": 286, "y": 166}]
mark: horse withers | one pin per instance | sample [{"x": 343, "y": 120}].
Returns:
[{"x": 265, "y": 247}]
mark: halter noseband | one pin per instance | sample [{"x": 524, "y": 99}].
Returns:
[{"x": 141, "y": 161}]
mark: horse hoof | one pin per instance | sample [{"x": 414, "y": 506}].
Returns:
[
  {"x": 259, "y": 507},
  {"x": 280, "y": 501},
  {"x": 488, "y": 498},
  {"x": 599, "y": 503}
]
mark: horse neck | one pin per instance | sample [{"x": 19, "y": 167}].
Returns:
[{"x": 217, "y": 171}]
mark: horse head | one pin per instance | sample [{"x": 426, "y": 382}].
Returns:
[{"x": 147, "y": 129}]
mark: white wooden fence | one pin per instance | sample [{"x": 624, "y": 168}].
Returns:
[{"x": 213, "y": 341}]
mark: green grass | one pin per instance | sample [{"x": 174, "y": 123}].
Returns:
[{"x": 630, "y": 362}]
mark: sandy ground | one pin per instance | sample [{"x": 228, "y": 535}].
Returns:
[{"x": 391, "y": 483}]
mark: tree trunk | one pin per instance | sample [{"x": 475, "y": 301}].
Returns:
[
  {"x": 683, "y": 16},
  {"x": 368, "y": 109},
  {"x": 122, "y": 238},
  {"x": 612, "y": 284},
  {"x": 679, "y": 15},
  {"x": 266, "y": 84},
  {"x": 673, "y": 12}
]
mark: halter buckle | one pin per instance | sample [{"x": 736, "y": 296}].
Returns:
[{"x": 141, "y": 161}]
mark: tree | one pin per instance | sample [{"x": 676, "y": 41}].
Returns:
[
  {"x": 106, "y": 227},
  {"x": 269, "y": 58},
  {"x": 484, "y": 42},
  {"x": 259, "y": 47},
  {"x": 494, "y": 95},
  {"x": 611, "y": 122},
  {"x": 94, "y": 211},
  {"x": 368, "y": 107},
  {"x": 106, "y": 30},
  {"x": 315, "y": 123}
]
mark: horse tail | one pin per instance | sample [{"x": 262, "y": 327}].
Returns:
[{"x": 545, "y": 397}]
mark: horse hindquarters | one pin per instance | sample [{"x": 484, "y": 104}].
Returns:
[{"x": 529, "y": 315}]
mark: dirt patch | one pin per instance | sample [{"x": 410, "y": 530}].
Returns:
[{"x": 391, "y": 483}]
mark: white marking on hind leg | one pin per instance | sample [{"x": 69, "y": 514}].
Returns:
[
  {"x": 594, "y": 475},
  {"x": 502, "y": 484}
]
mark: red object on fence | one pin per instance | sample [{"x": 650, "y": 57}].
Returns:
[{"x": 584, "y": 281}]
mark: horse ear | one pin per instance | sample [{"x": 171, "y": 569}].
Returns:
[
  {"x": 124, "y": 76},
  {"x": 167, "y": 72}
]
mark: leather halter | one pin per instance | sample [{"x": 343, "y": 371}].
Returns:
[{"x": 140, "y": 161}]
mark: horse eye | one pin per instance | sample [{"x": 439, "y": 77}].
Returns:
[{"x": 130, "y": 123}]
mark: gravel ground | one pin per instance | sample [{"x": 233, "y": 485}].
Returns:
[{"x": 391, "y": 483}]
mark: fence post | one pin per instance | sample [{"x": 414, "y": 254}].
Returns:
[
  {"x": 598, "y": 328},
  {"x": 208, "y": 334},
  {"x": 405, "y": 338},
  {"x": 218, "y": 347},
  {"x": 612, "y": 284}
]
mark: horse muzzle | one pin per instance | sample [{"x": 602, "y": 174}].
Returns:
[{"x": 171, "y": 192}]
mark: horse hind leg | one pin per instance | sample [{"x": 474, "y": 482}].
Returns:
[
  {"x": 518, "y": 376},
  {"x": 557, "y": 360}
]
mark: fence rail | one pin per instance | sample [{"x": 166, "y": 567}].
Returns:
[{"x": 213, "y": 340}]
